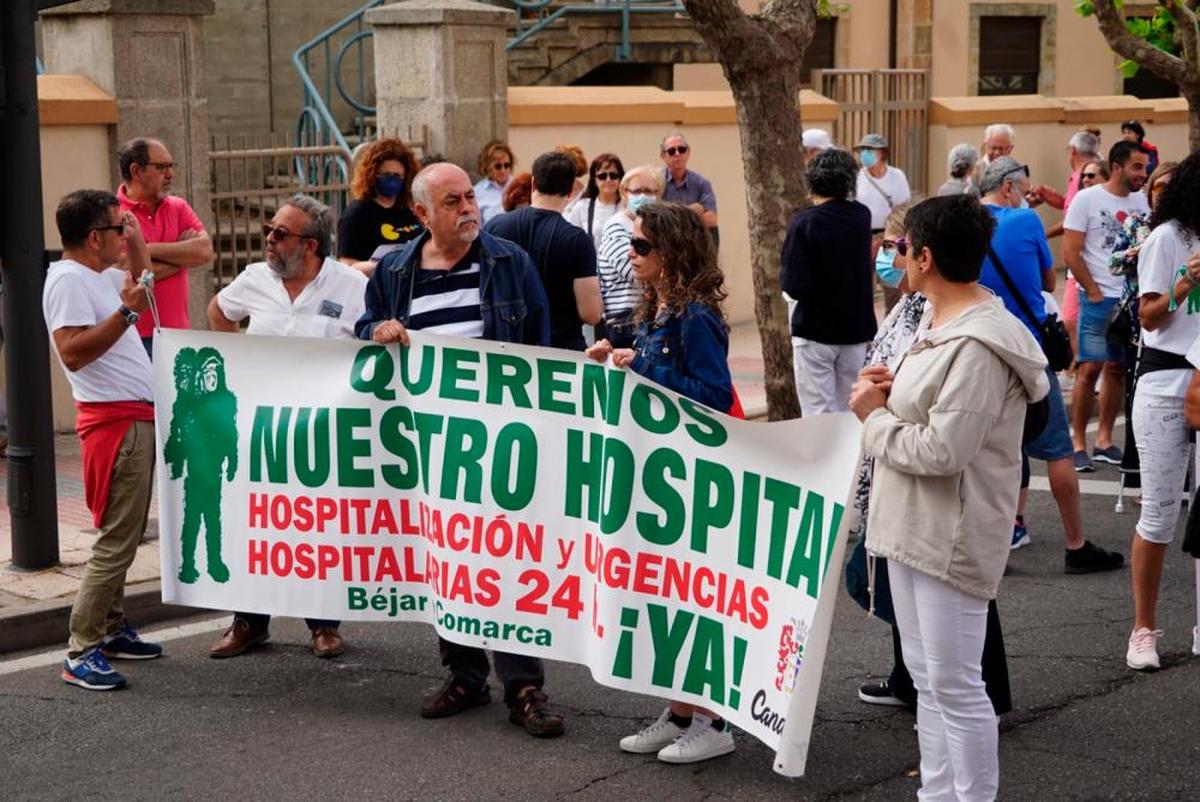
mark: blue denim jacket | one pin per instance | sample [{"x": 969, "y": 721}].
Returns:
[
  {"x": 687, "y": 353},
  {"x": 511, "y": 298}
]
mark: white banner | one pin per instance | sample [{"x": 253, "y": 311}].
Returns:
[{"x": 521, "y": 499}]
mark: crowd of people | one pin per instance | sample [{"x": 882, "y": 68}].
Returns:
[{"x": 958, "y": 387}]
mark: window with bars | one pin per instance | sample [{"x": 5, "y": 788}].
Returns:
[{"x": 1010, "y": 55}]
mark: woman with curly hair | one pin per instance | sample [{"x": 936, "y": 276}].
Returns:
[
  {"x": 495, "y": 164},
  {"x": 682, "y": 344},
  {"x": 381, "y": 213},
  {"x": 1168, "y": 272}
]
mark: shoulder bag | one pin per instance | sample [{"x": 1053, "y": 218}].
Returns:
[{"x": 1056, "y": 344}]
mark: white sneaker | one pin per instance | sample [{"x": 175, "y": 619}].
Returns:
[
  {"x": 700, "y": 742},
  {"x": 1195, "y": 640},
  {"x": 662, "y": 732},
  {"x": 1142, "y": 653}
]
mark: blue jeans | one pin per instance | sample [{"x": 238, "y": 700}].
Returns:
[
  {"x": 1055, "y": 440},
  {"x": 1093, "y": 325}
]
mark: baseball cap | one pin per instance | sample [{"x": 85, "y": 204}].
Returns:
[
  {"x": 873, "y": 141},
  {"x": 817, "y": 138}
]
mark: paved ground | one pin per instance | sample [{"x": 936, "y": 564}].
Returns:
[{"x": 282, "y": 723}]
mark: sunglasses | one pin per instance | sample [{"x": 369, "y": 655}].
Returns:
[
  {"x": 641, "y": 247},
  {"x": 1089, "y": 175},
  {"x": 608, "y": 176},
  {"x": 900, "y": 245},
  {"x": 676, "y": 151},
  {"x": 280, "y": 233},
  {"x": 502, "y": 166}
]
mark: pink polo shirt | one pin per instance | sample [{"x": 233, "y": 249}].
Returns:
[{"x": 172, "y": 217}]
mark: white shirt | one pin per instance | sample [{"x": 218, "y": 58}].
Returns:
[
  {"x": 1099, "y": 214},
  {"x": 76, "y": 295},
  {"x": 1165, "y": 251},
  {"x": 328, "y": 307},
  {"x": 577, "y": 214},
  {"x": 490, "y": 197},
  {"x": 893, "y": 182}
]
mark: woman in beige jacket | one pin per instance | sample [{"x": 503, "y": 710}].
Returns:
[{"x": 945, "y": 432}]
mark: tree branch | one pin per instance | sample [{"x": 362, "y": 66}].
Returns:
[
  {"x": 725, "y": 27},
  {"x": 1187, "y": 26},
  {"x": 792, "y": 21},
  {"x": 1112, "y": 25}
]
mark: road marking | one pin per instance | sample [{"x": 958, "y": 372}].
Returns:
[
  {"x": 1094, "y": 426},
  {"x": 157, "y": 635}
]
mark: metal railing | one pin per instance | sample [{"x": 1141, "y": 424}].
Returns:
[
  {"x": 316, "y": 125},
  {"x": 546, "y": 13}
]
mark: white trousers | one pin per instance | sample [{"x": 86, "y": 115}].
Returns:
[
  {"x": 941, "y": 636},
  {"x": 825, "y": 373}
]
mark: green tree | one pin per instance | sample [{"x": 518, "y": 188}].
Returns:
[{"x": 1167, "y": 43}]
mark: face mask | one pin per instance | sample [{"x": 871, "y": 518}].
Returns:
[
  {"x": 868, "y": 158},
  {"x": 636, "y": 202},
  {"x": 885, "y": 268},
  {"x": 389, "y": 186}
]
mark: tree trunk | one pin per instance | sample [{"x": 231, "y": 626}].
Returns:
[
  {"x": 772, "y": 158},
  {"x": 1192, "y": 93},
  {"x": 761, "y": 55}
]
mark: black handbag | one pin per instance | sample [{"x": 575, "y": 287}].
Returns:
[{"x": 1056, "y": 343}]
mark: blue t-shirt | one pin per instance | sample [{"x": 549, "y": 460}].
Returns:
[{"x": 1020, "y": 243}]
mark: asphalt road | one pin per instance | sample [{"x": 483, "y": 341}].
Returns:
[{"x": 280, "y": 723}]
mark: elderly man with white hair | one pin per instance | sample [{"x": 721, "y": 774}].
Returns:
[
  {"x": 815, "y": 140},
  {"x": 999, "y": 139}
]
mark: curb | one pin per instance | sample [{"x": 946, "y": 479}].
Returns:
[{"x": 41, "y": 624}]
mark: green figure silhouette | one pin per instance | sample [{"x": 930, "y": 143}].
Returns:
[{"x": 202, "y": 442}]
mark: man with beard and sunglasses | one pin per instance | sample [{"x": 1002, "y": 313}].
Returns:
[
  {"x": 457, "y": 280},
  {"x": 299, "y": 291}
]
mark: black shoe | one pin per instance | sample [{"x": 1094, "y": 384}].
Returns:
[
  {"x": 1090, "y": 558},
  {"x": 879, "y": 693}
]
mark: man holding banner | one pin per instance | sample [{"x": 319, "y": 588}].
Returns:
[
  {"x": 299, "y": 291},
  {"x": 455, "y": 279}
]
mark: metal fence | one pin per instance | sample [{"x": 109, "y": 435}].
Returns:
[
  {"x": 252, "y": 175},
  {"x": 894, "y": 103}
]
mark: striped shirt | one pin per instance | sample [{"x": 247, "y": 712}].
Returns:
[
  {"x": 618, "y": 288},
  {"x": 447, "y": 301}
]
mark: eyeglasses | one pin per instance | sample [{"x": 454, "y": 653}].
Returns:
[
  {"x": 676, "y": 151},
  {"x": 280, "y": 233},
  {"x": 502, "y": 166},
  {"x": 900, "y": 245},
  {"x": 161, "y": 166},
  {"x": 119, "y": 227},
  {"x": 641, "y": 247},
  {"x": 641, "y": 191},
  {"x": 608, "y": 176}
]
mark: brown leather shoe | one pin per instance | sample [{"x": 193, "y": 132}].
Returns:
[
  {"x": 238, "y": 638},
  {"x": 453, "y": 698},
  {"x": 327, "y": 642},
  {"x": 531, "y": 710}
]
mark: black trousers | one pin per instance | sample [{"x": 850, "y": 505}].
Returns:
[
  {"x": 995, "y": 667},
  {"x": 469, "y": 665}
]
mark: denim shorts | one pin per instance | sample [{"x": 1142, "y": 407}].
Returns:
[
  {"x": 1093, "y": 322},
  {"x": 1055, "y": 440}
]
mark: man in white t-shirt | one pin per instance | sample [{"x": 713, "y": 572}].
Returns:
[
  {"x": 881, "y": 188},
  {"x": 90, "y": 310},
  {"x": 1090, "y": 230},
  {"x": 299, "y": 291}
]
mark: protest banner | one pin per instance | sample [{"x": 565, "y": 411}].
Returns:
[{"x": 522, "y": 499}]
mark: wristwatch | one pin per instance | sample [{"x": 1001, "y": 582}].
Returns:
[{"x": 130, "y": 316}]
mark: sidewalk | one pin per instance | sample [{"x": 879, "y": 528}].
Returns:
[{"x": 34, "y": 606}]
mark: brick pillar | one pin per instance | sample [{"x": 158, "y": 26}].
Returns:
[{"x": 442, "y": 64}]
